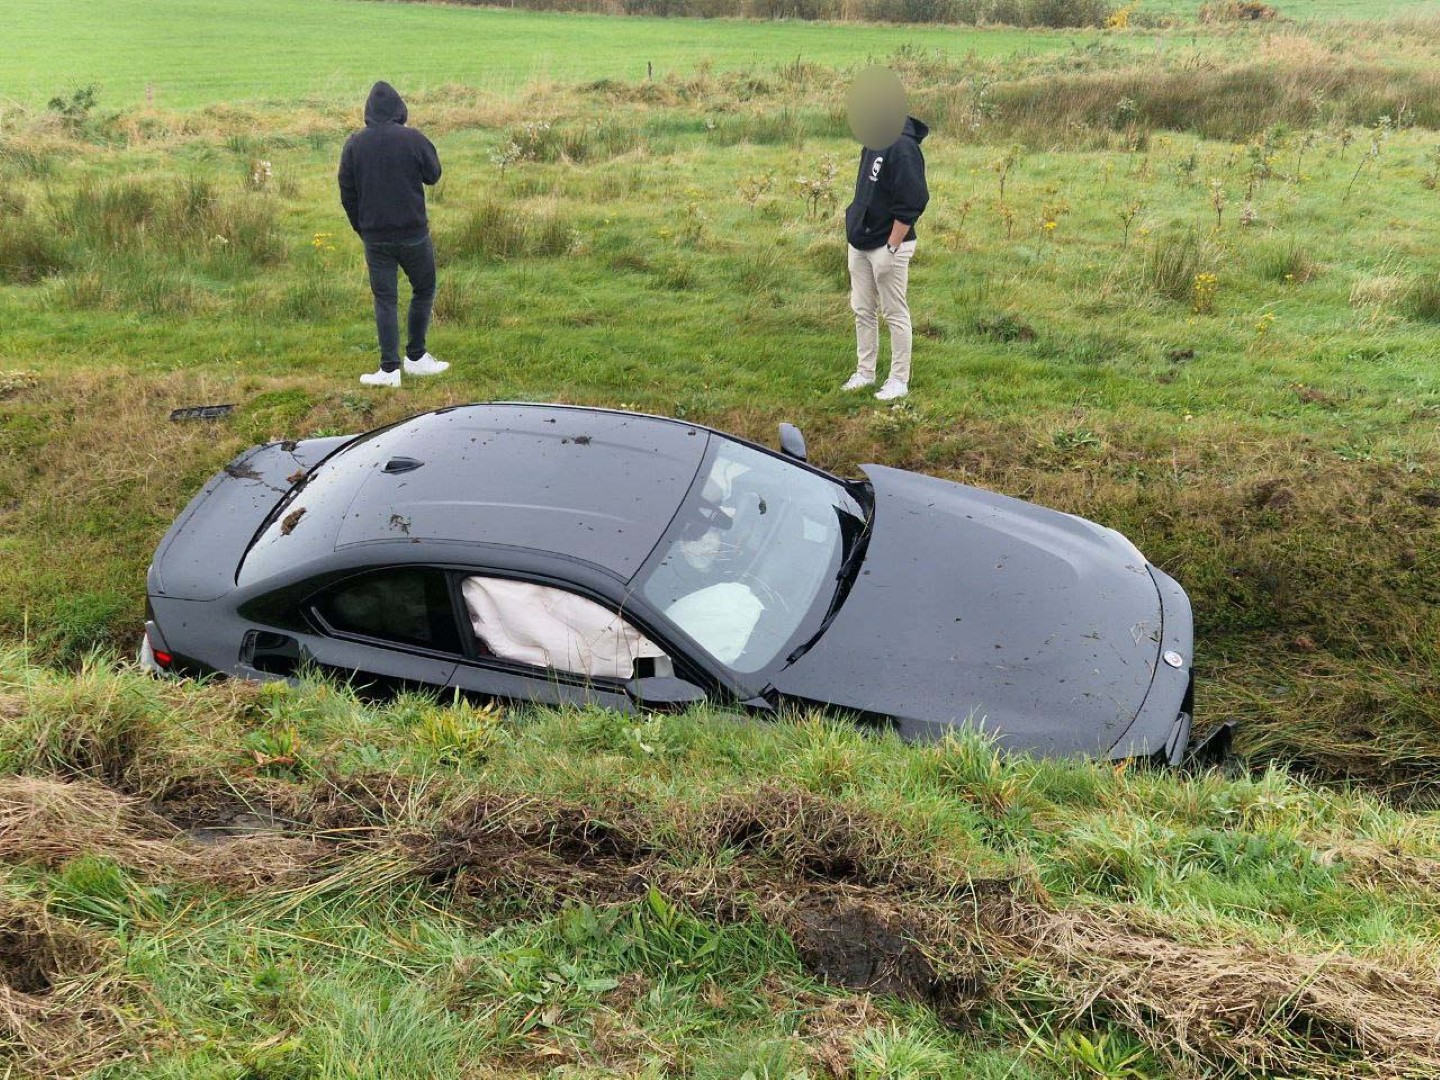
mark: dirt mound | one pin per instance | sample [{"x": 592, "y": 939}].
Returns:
[
  {"x": 804, "y": 863},
  {"x": 820, "y": 839}
]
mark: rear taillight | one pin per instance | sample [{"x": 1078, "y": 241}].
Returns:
[{"x": 163, "y": 658}]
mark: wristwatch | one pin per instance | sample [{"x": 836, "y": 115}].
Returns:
[{"x": 893, "y": 249}]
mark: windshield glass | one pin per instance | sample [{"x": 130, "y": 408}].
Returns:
[{"x": 756, "y": 547}]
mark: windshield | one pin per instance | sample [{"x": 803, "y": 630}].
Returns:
[{"x": 756, "y": 548}]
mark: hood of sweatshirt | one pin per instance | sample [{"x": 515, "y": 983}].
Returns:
[
  {"x": 385, "y": 106},
  {"x": 916, "y": 129}
]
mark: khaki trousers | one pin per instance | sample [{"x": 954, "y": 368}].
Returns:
[{"x": 878, "y": 281}]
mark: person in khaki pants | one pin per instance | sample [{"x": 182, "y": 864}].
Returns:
[
  {"x": 878, "y": 280},
  {"x": 890, "y": 196}
]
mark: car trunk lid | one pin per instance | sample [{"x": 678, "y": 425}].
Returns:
[{"x": 198, "y": 556}]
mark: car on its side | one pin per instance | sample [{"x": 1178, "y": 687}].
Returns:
[{"x": 558, "y": 554}]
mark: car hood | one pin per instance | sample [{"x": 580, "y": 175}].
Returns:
[{"x": 1039, "y": 626}]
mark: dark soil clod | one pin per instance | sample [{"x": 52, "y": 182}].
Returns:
[
  {"x": 35, "y": 953},
  {"x": 848, "y": 943}
]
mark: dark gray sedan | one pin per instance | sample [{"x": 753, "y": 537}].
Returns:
[{"x": 555, "y": 554}]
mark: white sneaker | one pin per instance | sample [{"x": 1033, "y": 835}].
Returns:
[
  {"x": 858, "y": 382},
  {"x": 426, "y": 365},
  {"x": 381, "y": 378},
  {"x": 892, "y": 389}
]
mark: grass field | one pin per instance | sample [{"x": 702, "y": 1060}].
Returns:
[
  {"x": 1186, "y": 286},
  {"x": 182, "y": 53}
]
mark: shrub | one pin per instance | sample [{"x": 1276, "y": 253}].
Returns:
[
  {"x": 1422, "y": 302},
  {"x": 541, "y": 140},
  {"x": 1066, "y": 13},
  {"x": 75, "y": 110},
  {"x": 1237, "y": 11},
  {"x": 29, "y": 251},
  {"x": 497, "y": 230},
  {"x": 20, "y": 160},
  {"x": 1172, "y": 264},
  {"x": 190, "y": 218},
  {"x": 1293, "y": 263}
]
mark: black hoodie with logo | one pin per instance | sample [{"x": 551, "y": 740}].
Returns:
[
  {"x": 889, "y": 187},
  {"x": 384, "y": 169}
]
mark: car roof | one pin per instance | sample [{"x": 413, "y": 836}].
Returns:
[{"x": 589, "y": 484}]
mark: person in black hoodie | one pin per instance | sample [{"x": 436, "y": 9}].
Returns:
[
  {"x": 890, "y": 196},
  {"x": 384, "y": 170}
]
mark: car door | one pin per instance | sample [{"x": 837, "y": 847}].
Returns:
[
  {"x": 530, "y": 663},
  {"x": 392, "y": 628}
]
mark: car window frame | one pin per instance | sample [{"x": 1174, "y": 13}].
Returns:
[
  {"x": 815, "y": 619},
  {"x": 685, "y": 667},
  {"x": 311, "y": 611}
]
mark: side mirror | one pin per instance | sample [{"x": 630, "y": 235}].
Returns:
[
  {"x": 792, "y": 443},
  {"x": 664, "y": 692}
]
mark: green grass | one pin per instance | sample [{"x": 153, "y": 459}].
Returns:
[
  {"x": 184, "y": 53},
  {"x": 460, "y": 892},
  {"x": 1277, "y": 454},
  {"x": 455, "y": 891}
]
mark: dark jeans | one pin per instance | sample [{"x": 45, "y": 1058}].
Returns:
[{"x": 417, "y": 259}]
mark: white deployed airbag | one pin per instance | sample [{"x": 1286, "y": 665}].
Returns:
[
  {"x": 720, "y": 618},
  {"x": 551, "y": 628}
]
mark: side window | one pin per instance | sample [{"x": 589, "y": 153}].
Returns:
[
  {"x": 410, "y": 607},
  {"x": 551, "y": 628}
]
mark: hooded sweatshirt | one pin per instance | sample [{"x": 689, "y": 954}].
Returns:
[
  {"x": 384, "y": 169},
  {"x": 889, "y": 187}
]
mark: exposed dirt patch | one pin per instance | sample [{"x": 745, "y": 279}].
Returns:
[
  {"x": 35, "y": 952},
  {"x": 495, "y": 845},
  {"x": 848, "y": 942},
  {"x": 1201, "y": 1007},
  {"x": 1271, "y": 494},
  {"x": 211, "y": 811},
  {"x": 806, "y": 864},
  {"x": 861, "y": 915},
  {"x": 58, "y": 1009},
  {"x": 341, "y": 806},
  {"x": 822, "y": 840}
]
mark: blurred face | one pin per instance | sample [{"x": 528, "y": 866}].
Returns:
[{"x": 876, "y": 107}]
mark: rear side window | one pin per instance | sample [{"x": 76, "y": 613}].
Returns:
[{"x": 409, "y": 607}]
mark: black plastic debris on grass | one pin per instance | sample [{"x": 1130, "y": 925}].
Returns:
[{"x": 201, "y": 412}]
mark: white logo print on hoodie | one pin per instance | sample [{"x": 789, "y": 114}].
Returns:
[{"x": 875, "y": 169}]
